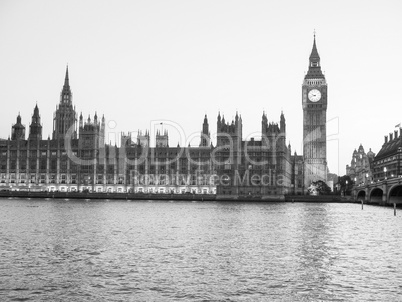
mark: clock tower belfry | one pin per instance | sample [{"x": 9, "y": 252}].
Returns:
[{"x": 314, "y": 100}]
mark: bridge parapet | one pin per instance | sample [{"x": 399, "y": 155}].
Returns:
[{"x": 380, "y": 192}]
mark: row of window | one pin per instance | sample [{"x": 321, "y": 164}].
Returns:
[{"x": 385, "y": 160}]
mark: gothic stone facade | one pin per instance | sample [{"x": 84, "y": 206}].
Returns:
[
  {"x": 77, "y": 158},
  {"x": 360, "y": 169},
  {"x": 388, "y": 161},
  {"x": 255, "y": 167},
  {"x": 314, "y": 100}
]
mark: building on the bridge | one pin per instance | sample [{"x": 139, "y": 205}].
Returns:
[
  {"x": 386, "y": 185},
  {"x": 360, "y": 169},
  {"x": 387, "y": 162}
]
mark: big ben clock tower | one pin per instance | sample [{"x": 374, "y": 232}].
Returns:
[{"x": 314, "y": 99}]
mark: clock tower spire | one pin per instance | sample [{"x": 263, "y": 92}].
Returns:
[
  {"x": 314, "y": 68},
  {"x": 314, "y": 102}
]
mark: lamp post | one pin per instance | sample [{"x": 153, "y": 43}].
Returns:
[
  {"x": 346, "y": 187},
  {"x": 385, "y": 172}
]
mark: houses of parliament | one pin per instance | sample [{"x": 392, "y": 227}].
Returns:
[{"x": 77, "y": 158}]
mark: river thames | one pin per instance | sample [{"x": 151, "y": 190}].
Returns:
[{"x": 68, "y": 250}]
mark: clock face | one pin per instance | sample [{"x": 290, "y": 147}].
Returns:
[{"x": 314, "y": 95}]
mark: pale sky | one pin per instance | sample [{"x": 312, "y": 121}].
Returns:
[{"x": 143, "y": 61}]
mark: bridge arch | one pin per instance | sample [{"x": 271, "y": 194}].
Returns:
[
  {"x": 395, "y": 194},
  {"x": 376, "y": 195},
  {"x": 361, "y": 195}
]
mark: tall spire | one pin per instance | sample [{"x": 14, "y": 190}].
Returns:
[
  {"x": 205, "y": 137},
  {"x": 314, "y": 68},
  {"x": 66, "y": 92},
  {"x": 35, "y": 129},
  {"x": 35, "y": 116},
  {"x": 65, "y": 116},
  {"x": 66, "y": 80},
  {"x": 314, "y": 56},
  {"x": 19, "y": 118},
  {"x": 36, "y": 110}
]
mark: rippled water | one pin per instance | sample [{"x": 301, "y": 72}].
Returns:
[{"x": 184, "y": 251}]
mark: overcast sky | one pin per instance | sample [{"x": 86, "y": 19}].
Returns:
[{"x": 143, "y": 61}]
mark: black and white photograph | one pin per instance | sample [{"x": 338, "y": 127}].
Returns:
[{"x": 172, "y": 150}]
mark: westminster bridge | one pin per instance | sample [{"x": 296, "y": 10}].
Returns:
[{"x": 388, "y": 190}]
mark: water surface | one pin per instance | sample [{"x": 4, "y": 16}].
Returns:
[{"x": 67, "y": 250}]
